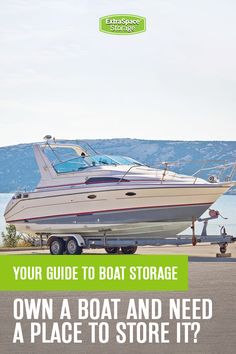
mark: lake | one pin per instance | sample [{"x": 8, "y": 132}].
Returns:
[{"x": 226, "y": 205}]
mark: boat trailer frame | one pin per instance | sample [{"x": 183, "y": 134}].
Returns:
[{"x": 78, "y": 242}]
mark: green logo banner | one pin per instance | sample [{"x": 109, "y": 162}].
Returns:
[
  {"x": 94, "y": 273},
  {"x": 122, "y": 24}
]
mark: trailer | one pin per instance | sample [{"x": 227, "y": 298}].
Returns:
[{"x": 73, "y": 244}]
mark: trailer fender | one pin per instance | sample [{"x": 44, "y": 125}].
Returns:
[{"x": 79, "y": 239}]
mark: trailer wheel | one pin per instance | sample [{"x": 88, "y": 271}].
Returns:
[
  {"x": 72, "y": 247},
  {"x": 57, "y": 246},
  {"x": 129, "y": 249},
  {"x": 112, "y": 250}
]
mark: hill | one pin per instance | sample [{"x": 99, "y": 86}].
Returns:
[{"x": 18, "y": 169}]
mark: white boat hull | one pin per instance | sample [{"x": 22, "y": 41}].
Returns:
[{"x": 160, "y": 211}]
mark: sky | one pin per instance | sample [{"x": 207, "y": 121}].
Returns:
[{"x": 59, "y": 75}]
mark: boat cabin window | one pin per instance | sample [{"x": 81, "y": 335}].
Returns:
[
  {"x": 72, "y": 165},
  {"x": 72, "y": 162},
  {"x": 111, "y": 160},
  {"x": 97, "y": 160},
  {"x": 105, "y": 180}
]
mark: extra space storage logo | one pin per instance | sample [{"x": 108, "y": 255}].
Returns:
[{"x": 122, "y": 24}]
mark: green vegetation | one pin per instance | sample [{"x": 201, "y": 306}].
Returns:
[{"x": 12, "y": 238}]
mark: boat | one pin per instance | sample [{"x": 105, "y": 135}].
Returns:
[{"x": 90, "y": 194}]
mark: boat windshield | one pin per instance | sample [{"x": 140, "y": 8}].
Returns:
[{"x": 80, "y": 163}]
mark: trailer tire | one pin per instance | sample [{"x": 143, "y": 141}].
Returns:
[
  {"x": 129, "y": 249},
  {"x": 72, "y": 247},
  {"x": 112, "y": 250},
  {"x": 57, "y": 246}
]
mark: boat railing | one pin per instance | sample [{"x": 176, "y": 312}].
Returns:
[
  {"x": 214, "y": 178},
  {"x": 127, "y": 172},
  {"x": 220, "y": 168}
]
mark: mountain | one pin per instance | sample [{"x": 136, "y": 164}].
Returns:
[{"x": 18, "y": 169}]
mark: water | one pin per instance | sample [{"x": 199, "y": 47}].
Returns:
[
  {"x": 227, "y": 208},
  {"x": 226, "y": 205}
]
